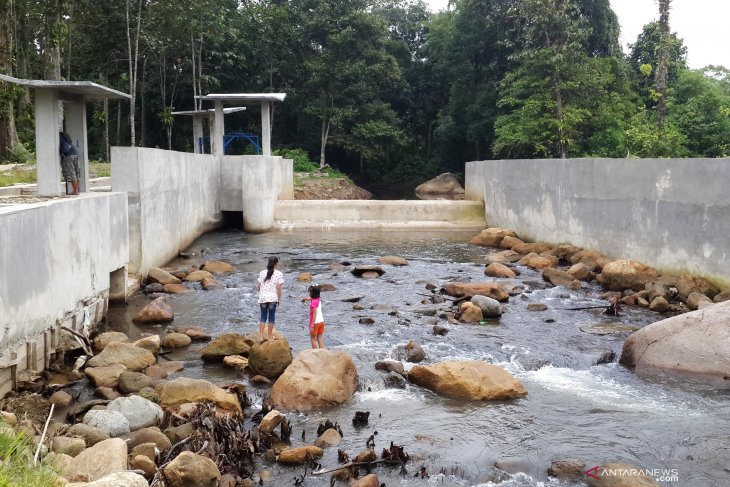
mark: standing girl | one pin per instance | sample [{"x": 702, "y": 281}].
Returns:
[
  {"x": 269, "y": 286},
  {"x": 316, "y": 320}
]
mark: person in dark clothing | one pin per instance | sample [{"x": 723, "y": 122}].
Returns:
[{"x": 69, "y": 161}]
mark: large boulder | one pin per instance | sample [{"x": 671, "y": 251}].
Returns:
[
  {"x": 226, "y": 344},
  {"x": 217, "y": 267},
  {"x": 132, "y": 357},
  {"x": 104, "y": 339},
  {"x": 183, "y": 390},
  {"x": 492, "y": 237},
  {"x": 592, "y": 259},
  {"x": 490, "y": 307},
  {"x": 140, "y": 412},
  {"x": 158, "y": 311},
  {"x": 191, "y": 470},
  {"x": 495, "y": 269},
  {"x": 104, "y": 458},
  {"x": 107, "y": 376},
  {"x": 269, "y": 358},
  {"x": 492, "y": 290},
  {"x": 151, "y": 343},
  {"x": 119, "y": 479},
  {"x": 90, "y": 434},
  {"x": 113, "y": 423},
  {"x": 162, "y": 276},
  {"x": 151, "y": 435},
  {"x": 471, "y": 379},
  {"x": 536, "y": 261},
  {"x": 315, "y": 379},
  {"x": 130, "y": 382},
  {"x": 176, "y": 340},
  {"x": 556, "y": 277},
  {"x": 443, "y": 186},
  {"x": 618, "y": 475},
  {"x": 620, "y": 275},
  {"x": 693, "y": 343}
]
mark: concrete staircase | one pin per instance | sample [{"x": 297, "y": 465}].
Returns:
[{"x": 375, "y": 214}]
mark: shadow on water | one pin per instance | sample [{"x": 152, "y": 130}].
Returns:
[{"x": 574, "y": 409}]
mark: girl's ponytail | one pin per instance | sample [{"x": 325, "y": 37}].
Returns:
[{"x": 270, "y": 267}]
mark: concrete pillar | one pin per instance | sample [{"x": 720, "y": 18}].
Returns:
[
  {"x": 258, "y": 194},
  {"x": 216, "y": 137},
  {"x": 265, "y": 128},
  {"x": 197, "y": 133},
  {"x": 75, "y": 117},
  {"x": 48, "y": 165}
]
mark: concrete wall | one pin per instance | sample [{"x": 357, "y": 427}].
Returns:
[
  {"x": 359, "y": 214},
  {"x": 173, "y": 199},
  {"x": 261, "y": 172},
  {"x": 668, "y": 213},
  {"x": 56, "y": 259}
]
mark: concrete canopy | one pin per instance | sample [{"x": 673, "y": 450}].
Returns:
[
  {"x": 264, "y": 99},
  {"x": 48, "y": 116},
  {"x": 198, "y": 117}
]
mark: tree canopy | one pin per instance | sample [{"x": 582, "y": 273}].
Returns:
[{"x": 384, "y": 90}]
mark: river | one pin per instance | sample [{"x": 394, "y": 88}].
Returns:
[{"x": 574, "y": 409}]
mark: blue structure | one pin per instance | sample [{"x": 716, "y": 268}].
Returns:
[{"x": 253, "y": 139}]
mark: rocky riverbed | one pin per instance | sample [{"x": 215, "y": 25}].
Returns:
[{"x": 518, "y": 386}]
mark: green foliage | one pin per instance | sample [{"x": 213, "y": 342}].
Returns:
[
  {"x": 17, "y": 176},
  {"x": 300, "y": 158},
  {"x": 644, "y": 139},
  {"x": 16, "y": 452}
]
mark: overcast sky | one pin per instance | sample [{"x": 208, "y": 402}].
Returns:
[{"x": 703, "y": 24}]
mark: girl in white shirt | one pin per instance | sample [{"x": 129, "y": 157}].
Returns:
[{"x": 269, "y": 285}]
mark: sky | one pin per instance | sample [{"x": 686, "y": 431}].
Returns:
[{"x": 701, "y": 23}]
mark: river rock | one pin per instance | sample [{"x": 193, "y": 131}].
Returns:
[
  {"x": 119, "y": 479},
  {"x": 608, "y": 328},
  {"x": 722, "y": 297},
  {"x": 330, "y": 437},
  {"x": 533, "y": 248},
  {"x": 304, "y": 277},
  {"x": 370, "y": 480},
  {"x": 113, "y": 423},
  {"x": 315, "y": 379},
  {"x": 196, "y": 333},
  {"x": 260, "y": 379},
  {"x": 537, "y": 262},
  {"x": 590, "y": 258},
  {"x": 395, "y": 381},
  {"x": 471, "y": 379},
  {"x": 689, "y": 344},
  {"x": 90, "y": 434},
  {"x": 144, "y": 450},
  {"x": 326, "y": 287},
  {"x": 556, "y": 277},
  {"x": 176, "y": 289},
  {"x": 104, "y": 339},
  {"x": 191, "y": 470},
  {"x": 492, "y": 237},
  {"x": 235, "y": 361},
  {"x": 197, "y": 276},
  {"x": 620, "y": 275},
  {"x": 508, "y": 242},
  {"x": 61, "y": 399},
  {"x": 271, "y": 421},
  {"x": 158, "y": 311},
  {"x": 618, "y": 475},
  {"x": 659, "y": 304},
  {"x": 133, "y": 381},
  {"x": 210, "y": 284},
  {"x": 442, "y": 186},
  {"x": 172, "y": 366},
  {"x": 389, "y": 366},
  {"x": 686, "y": 285},
  {"x": 68, "y": 446},
  {"x": 226, "y": 344},
  {"x": 580, "y": 271},
  {"x": 162, "y": 276},
  {"x": 178, "y": 433},
  {"x": 490, "y": 307},
  {"x": 495, "y": 269},
  {"x": 149, "y": 435},
  {"x": 393, "y": 260},
  {"x": 504, "y": 256},
  {"x": 269, "y": 358},
  {"x": 217, "y": 267},
  {"x": 294, "y": 456},
  {"x": 183, "y": 390},
  {"x": 414, "y": 353},
  {"x": 132, "y": 357},
  {"x": 156, "y": 372},
  {"x": 694, "y": 300},
  {"x": 176, "y": 340},
  {"x": 492, "y": 290},
  {"x": 154, "y": 288},
  {"x": 470, "y": 313},
  {"x": 440, "y": 330},
  {"x": 537, "y": 307},
  {"x": 140, "y": 412},
  {"x": 567, "y": 469},
  {"x": 107, "y": 376},
  {"x": 145, "y": 464},
  {"x": 362, "y": 269},
  {"x": 151, "y": 343},
  {"x": 104, "y": 458}
]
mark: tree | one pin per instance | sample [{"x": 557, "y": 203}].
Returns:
[
  {"x": 8, "y": 93},
  {"x": 663, "y": 62}
]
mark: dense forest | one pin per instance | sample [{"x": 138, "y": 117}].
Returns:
[{"x": 384, "y": 90}]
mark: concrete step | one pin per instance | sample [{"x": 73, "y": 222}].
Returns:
[{"x": 359, "y": 214}]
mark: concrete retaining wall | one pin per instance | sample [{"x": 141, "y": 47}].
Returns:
[
  {"x": 358, "y": 214},
  {"x": 56, "y": 260},
  {"x": 673, "y": 214},
  {"x": 173, "y": 199}
]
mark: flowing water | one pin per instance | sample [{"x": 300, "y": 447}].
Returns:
[{"x": 597, "y": 413}]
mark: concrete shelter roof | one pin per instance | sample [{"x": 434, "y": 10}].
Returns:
[
  {"x": 210, "y": 111},
  {"x": 73, "y": 88},
  {"x": 244, "y": 97}
]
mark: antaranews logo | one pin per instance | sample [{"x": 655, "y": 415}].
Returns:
[{"x": 658, "y": 474}]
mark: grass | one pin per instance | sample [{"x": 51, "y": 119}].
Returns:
[
  {"x": 27, "y": 174},
  {"x": 16, "y": 452}
]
